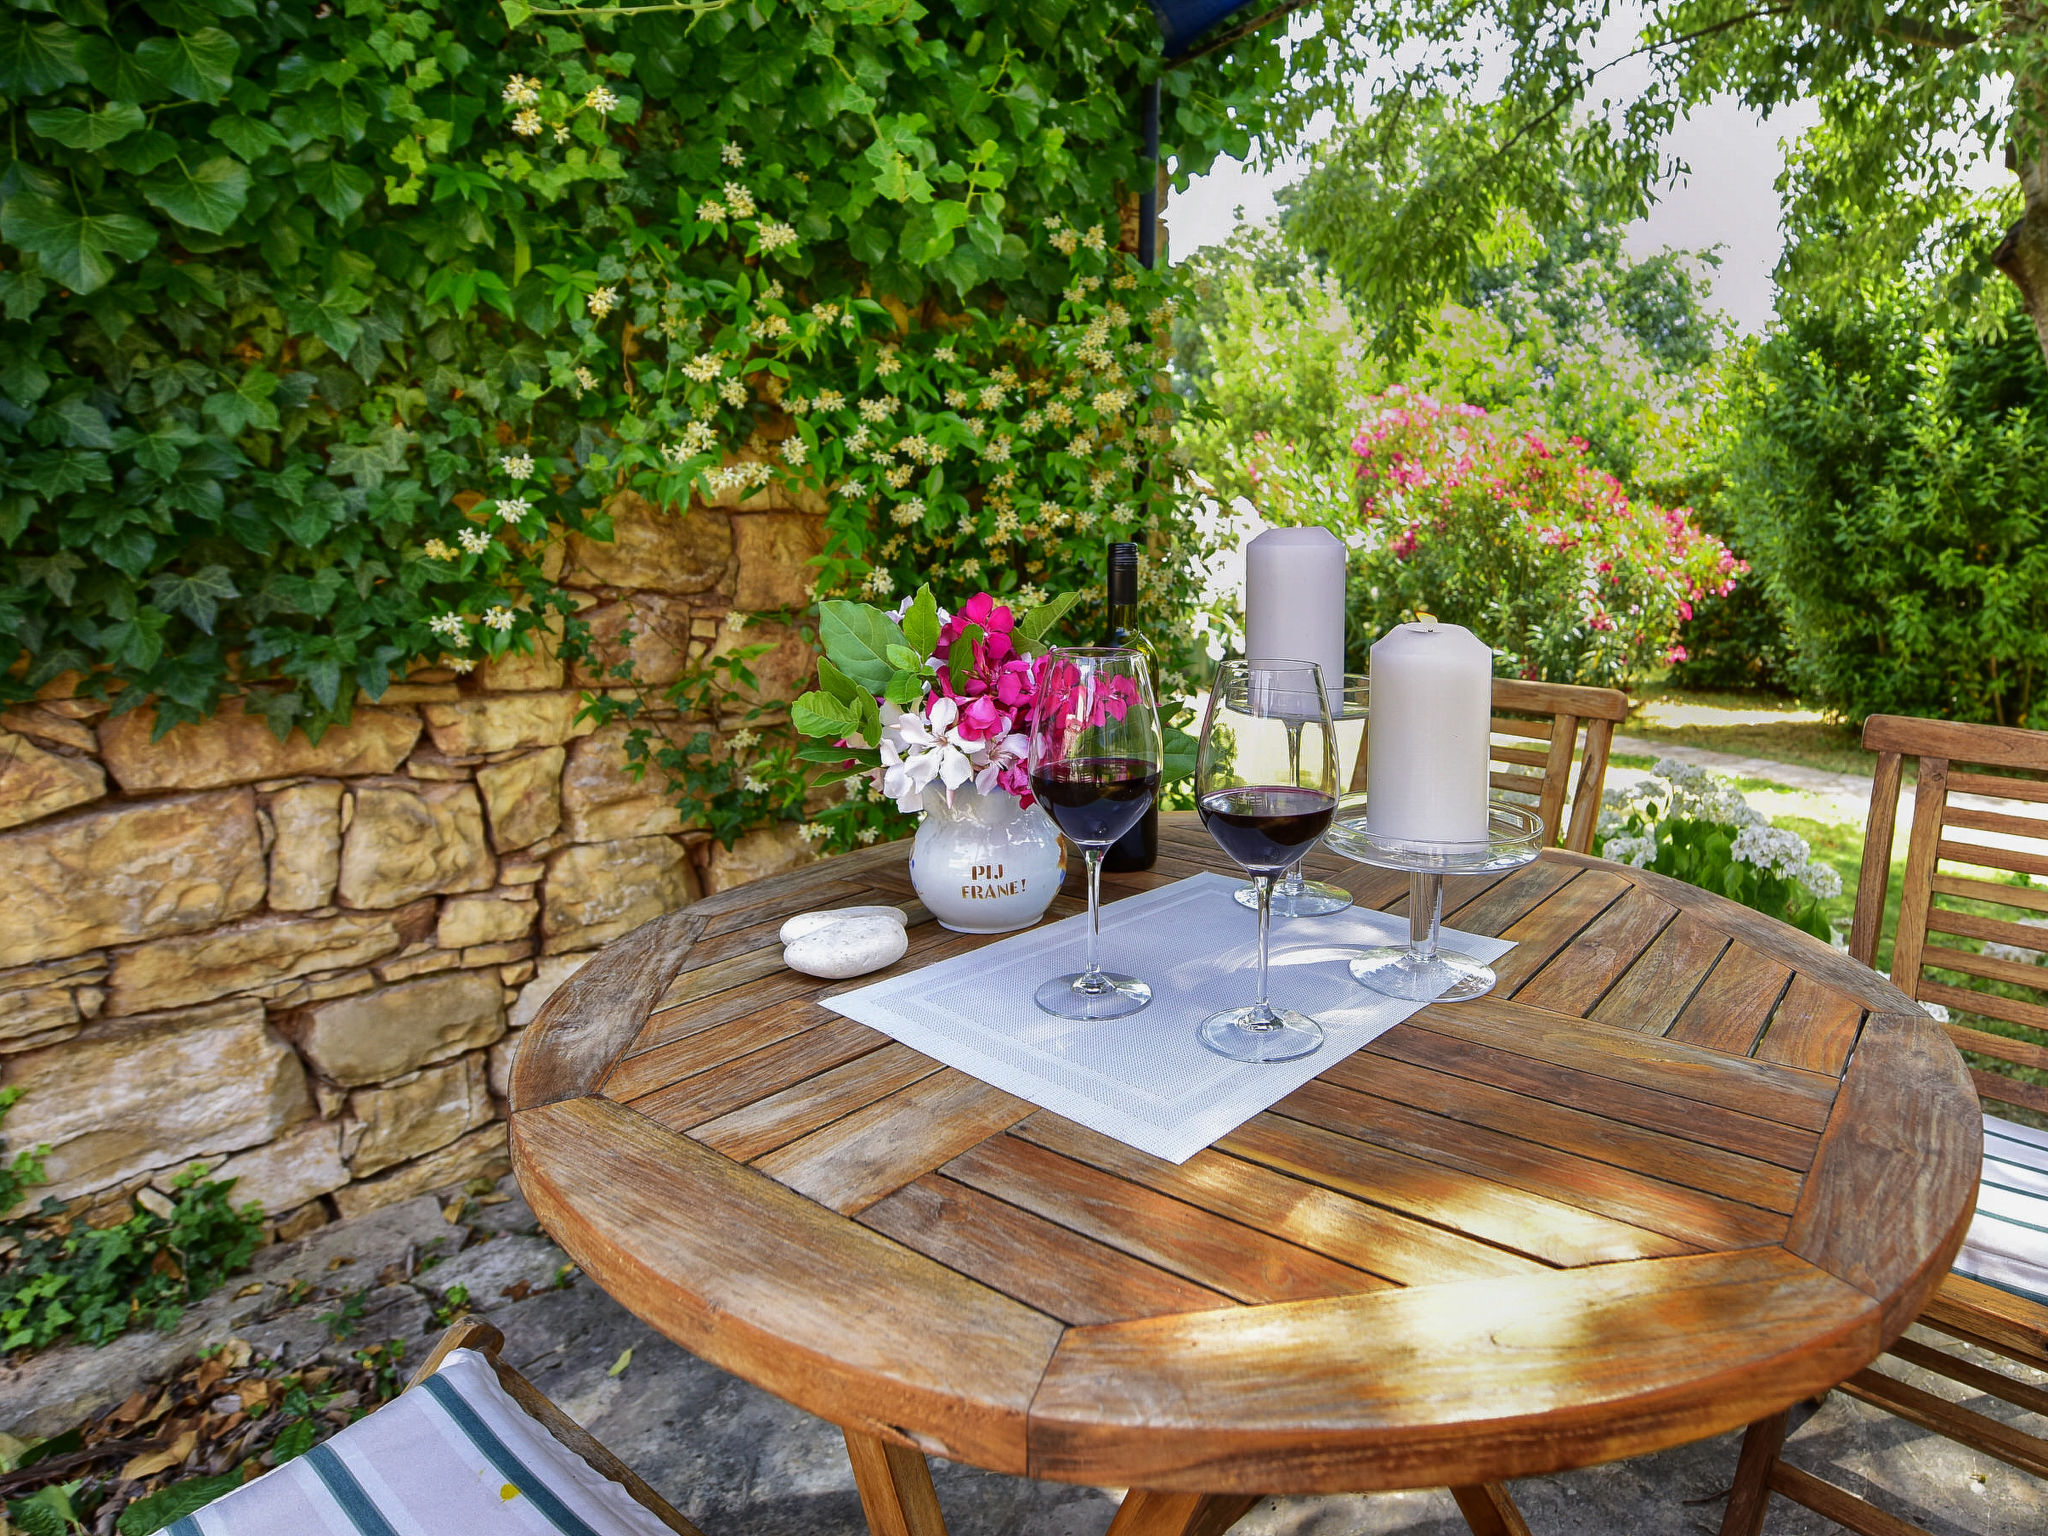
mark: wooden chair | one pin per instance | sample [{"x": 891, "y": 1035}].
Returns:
[
  {"x": 1552, "y": 714},
  {"x": 396, "y": 1474},
  {"x": 1996, "y": 1297}
]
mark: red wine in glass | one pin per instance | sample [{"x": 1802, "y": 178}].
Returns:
[
  {"x": 1096, "y": 799},
  {"x": 1266, "y": 828}
]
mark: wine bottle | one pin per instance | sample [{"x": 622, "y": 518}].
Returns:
[{"x": 1139, "y": 847}]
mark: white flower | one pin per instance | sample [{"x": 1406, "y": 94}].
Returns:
[
  {"x": 526, "y": 122},
  {"x": 451, "y": 626},
  {"x": 521, "y": 92},
  {"x": 867, "y": 835},
  {"x": 736, "y": 619},
  {"x": 601, "y": 100},
  {"x": 908, "y": 512},
  {"x": 732, "y": 392},
  {"x": 475, "y": 540},
  {"x": 945, "y": 354},
  {"x": 436, "y": 550},
  {"x": 878, "y": 410},
  {"x": 499, "y": 618},
  {"x": 880, "y": 583},
  {"x": 812, "y": 831},
  {"x": 739, "y": 200},
  {"x": 732, "y": 154},
  {"x": 513, "y": 508},
  {"x": 603, "y": 301},
  {"x": 742, "y": 739},
  {"x": 459, "y": 663},
  {"x": 775, "y": 236},
  {"x": 518, "y": 465},
  {"x": 831, "y": 400},
  {"x": 703, "y": 367},
  {"x": 753, "y": 785},
  {"x": 585, "y": 380},
  {"x": 711, "y": 212},
  {"x": 561, "y": 133},
  {"x": 794, "y": 452}
]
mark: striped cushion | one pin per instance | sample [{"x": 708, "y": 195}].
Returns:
[
  {"x": 455, "y": 1456},
  {"x": 2007, "y": 1245}
]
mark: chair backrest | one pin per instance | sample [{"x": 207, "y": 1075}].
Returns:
[
  {"x": 1536, "y": 729},
  {"x": 1938, "y": 905}
]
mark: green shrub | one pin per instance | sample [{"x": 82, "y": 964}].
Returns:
[{"x": 1888, "y": 475}]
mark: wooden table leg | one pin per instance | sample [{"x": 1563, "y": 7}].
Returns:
[
  {"x": 895, "y": 1487},
  {"x": 1146, "y": 1513},
  {"x": 1490, "y": 1510},
  {"x": 1751, "y": 1495}
]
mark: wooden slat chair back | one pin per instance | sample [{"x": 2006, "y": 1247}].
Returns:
[
  {"x": 1536, "y": 734},
  {"x": 1963, "y": 856}
]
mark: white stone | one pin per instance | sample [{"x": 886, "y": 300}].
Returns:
[
  {"x": 850, "y": 948},
  {"x": 811, "y": 922}
]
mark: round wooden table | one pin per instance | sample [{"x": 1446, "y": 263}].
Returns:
[{"x": 1684, "y": 1167}]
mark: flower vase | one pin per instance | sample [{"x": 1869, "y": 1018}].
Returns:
[{"x": 983, "y": 863}]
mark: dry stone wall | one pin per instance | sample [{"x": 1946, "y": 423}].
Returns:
[{"x": 307, "y": 964}]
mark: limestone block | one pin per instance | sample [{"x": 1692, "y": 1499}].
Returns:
[
  {"x": 417, "y": 1114},
  {"x": 775, "y": 550},
  {"x": 787, "y": 669},
  {"x": 468, "y": 920},
  {"x": 153, "y": 1091},
  {"x": 29, "y": 1017},
  {"x": 119, "y": 873},
  {"x": 652, "y": 549},
  {"x": 195, "y": 968},
  {"x": 498, "y": 954},
  {"x": 397, "y": 1029},
  {"x": 507, "y": 722},
  {"x": 35, "y": 783},
  {"x": 418, "y": 965},
  {"x": 300, "y": 1165},
  {"x": 49, "y": 727},
  {"x": 524, "y": 797},
  {"x": 480, "y": 1154},
  {"x": 758, "y": 854},
  {"x": 410, "y": 840},
  {"x": 500, "y": 1068},
  {"x": 597, "y": 891},
  {"x": 237, "y": 748},
  {"x": 515, "y": 672},
  {"x": 602, "y": 801},
  {"x": 660, "y": 646},
  {"x": 547, "y": 976},
  {"x": 305, "y": 855}
]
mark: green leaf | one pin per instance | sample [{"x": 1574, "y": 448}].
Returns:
[
  {"x": 116, "y": 74},
  {"x": 857, "y": 638},
  {"x": 166, "y": 1506},
  {"x": 247, "y": 405},
  {"x": 248, "y": 137},
  {"x": 88, "y": 130},
  {"x": 837, "y": 683},
  {"x": 960, "y": 659},
  {"x": 144, "y": 152},
  {"x": 199, "y": 66},
  {"x": 209, "y": 198},
  {"x": 904, "y": 659},
  {"x": 80, "y": 250},
  {"x": 37, "y": 60},
  {"x": 921, "y": 624},
  {"x": 1034, "y": 625},
  {"x": 326, "y": 318},
  {"x": 517, "y": 12},
  {"x": 819, "y": 714},
  {"x": 196, "y": 596},
  {"x": 83, "y": 426},
  {"x": 336, "y": 186}
]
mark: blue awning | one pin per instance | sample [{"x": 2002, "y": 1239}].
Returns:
[{"x": 1185, "y": 20}]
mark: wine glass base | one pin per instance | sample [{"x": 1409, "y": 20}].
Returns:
[
  {"x": 1397, "y": 970},
  {"x": 1316, "y": 898},
  {"x": 1291, "y": 1037},
  {"x": 1062, "y": 998}
]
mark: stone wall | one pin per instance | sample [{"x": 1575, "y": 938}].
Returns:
[{"x": 307, "y": 964}]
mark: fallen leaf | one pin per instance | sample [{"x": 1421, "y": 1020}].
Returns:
[
  {"x": 163, "y": 1406},
  {"x": 494, "y": 1200},
  {"x": 131, "y": 1408},
  {"x": 237, "y": 1353},
  {"x": 392, "y": 1274},
  {"x": 210, "y": 1375},
  {"x": 519, "y": 1290},
  {"x": 452, "y": 1211},
  {"x": 149, "y": 1463},
  {"x": 619, "y": 1365},
  {"x": 338, "y": 1260},
  {"x": 254, "y": 1288}
]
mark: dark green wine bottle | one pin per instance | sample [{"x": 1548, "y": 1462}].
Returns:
[{"x": 1139, "y": 847}]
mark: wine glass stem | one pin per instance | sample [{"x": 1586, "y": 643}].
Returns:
[
  {"x": 1262, "y": 1011},
  {"x": 1425, "y": 913},
  {"x": 1092, "y": 981},
  {"x": 1294, "y": 878}
]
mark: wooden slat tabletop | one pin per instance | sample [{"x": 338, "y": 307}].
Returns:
[{"x": 1684, "y": 1167}]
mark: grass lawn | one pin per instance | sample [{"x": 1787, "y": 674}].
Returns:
[{"x": 1746, "y": 725}]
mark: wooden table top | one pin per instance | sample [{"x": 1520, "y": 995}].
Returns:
[{"x": 1684, "y": 1167}]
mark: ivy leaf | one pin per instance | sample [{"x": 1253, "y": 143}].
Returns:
[
  {"x": 83, "y": 426},
  {"x": 20, "y": 294},
  {"x": 140, "y": 155},
  {"x": 857, "y": 638},
  {"x": 921, "y": 624},
  {"x": 248, "y": 137},
  {"x": 37, "y": 60},
  {"x": 88, "y": 130},
  {"x": 58, "y": 572},
  {"x": 196, "y": 596},
  {"x": 247, "y": 405},
  {"x": 116, "y": 74},
  {"x": 327, "y": 318},
  {"x": 336, "y": 186},
  {"x": 209, "y": 198},
  {"x": 80, "y": 250},
  {"x": 199, "y": 66}
]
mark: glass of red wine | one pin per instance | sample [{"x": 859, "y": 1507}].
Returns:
[
  {"x": 1096, "y": 755},
  {"x": 1266, "y": 787}
]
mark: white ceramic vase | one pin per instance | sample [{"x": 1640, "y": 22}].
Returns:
[{"x": 985, "y": 864}]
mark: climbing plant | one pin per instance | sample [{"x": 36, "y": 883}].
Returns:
[{"x": 322, "y": 321}]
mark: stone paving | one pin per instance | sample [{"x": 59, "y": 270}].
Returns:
[{"x": 742, "y": 1463}]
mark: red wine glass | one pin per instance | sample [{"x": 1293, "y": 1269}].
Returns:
[
  {"x": 1096, "y": 755},
  {"x": 1266, "y": 786}
]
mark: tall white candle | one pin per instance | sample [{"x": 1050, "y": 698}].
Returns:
[
  {"x": 1294, "y": 601},
  {"x": 1426, "y": 745}
]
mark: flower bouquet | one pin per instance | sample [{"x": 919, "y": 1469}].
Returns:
[{"x": 934, "y": 710}]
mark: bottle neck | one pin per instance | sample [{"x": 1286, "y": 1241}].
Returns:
[{"x": 1123, "y": 621}]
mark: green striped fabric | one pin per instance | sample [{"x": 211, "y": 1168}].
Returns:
[{"x": 2007, "y": 1245}]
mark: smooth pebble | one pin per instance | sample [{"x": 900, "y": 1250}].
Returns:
[
  {"x": 852, "y": 947},
  {"x": 811, "y": 922}
]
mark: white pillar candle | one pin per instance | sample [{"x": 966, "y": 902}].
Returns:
[
  {"x": 1294, "y": 601},
  {"x": 1426, "y": 756}
]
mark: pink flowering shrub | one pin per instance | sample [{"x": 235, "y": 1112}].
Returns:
[{"x": 1522, "y": 540}]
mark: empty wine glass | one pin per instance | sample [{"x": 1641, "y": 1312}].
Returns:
[
  {"x": 1266, "y": 787},
  {"x": 1096, "y": 756}
]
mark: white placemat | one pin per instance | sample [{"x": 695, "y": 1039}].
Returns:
[{"x": 1146, "y": 1080}]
